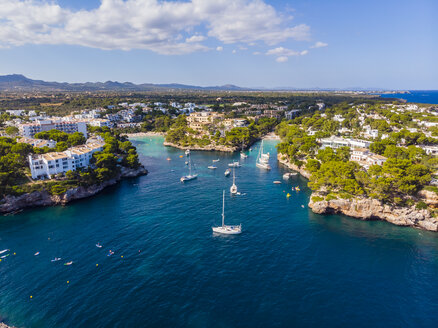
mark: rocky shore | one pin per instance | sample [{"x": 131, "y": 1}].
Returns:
[
  {"x": 43, "y": 198},
  {"x": 282, "y": 159},
  {"x": 3, "y": 325},
  {"x": 206, "y": 148},
  {"x": 373, "y": 209}
]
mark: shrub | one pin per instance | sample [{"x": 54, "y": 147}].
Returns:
[
  {"x": 331, "y": 197},
  {"x": 421, "y": 206},
  {"x": 57, "y": 189},
  {"x": 317, "y": 199}
]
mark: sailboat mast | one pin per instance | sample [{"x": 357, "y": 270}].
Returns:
[
  {"x": 190, "y": 165},
  {"x": 223, "y": 208},
  {"x": 234, "y": 178}
]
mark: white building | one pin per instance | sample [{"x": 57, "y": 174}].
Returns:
[
  {"x": 30, "y": 129},
  {"x": 16, "y": 112},
  {"x": 37, "y": 142},
  {"x": 292, "y": 113},
  {"x": 365, "y": 158},
  {"x": 60, "y": 162},
  {"x": 430, "y": 150},
  {"x": 336, "y": 142},
  {"x": 100, "y": 122},
  {"x": 338, "y": 118}
]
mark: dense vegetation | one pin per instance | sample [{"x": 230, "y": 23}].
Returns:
[
  {"x": 407, "y": 169},
  {"x": 15, "y": 173},
  {"x": 181, "y": 134}
]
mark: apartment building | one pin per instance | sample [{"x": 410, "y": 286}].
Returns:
[
  {"x": 30, "y": 129},
  {"x": 49, "y": 164}
]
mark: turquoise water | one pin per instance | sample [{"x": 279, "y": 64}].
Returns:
[{"x": 290, "y": 267}]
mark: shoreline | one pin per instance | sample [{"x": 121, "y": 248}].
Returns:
[
  {"x": 369, "y": 209},
  {"x": 11, "y": 204},
  {"x": 144, "y": 134},
  {"x": 226, "y": 149}
]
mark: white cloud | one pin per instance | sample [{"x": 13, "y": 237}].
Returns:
[
  {"x": 319, "y": 44},
  {"x": 196, "y": 38},
  {"x": 282, "y": 59},
  {"x": 219, "y": 48},
  {"x": 283, "y": 53},
  {"x": 166, "y": 27}
]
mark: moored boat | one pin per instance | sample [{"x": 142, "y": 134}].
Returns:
[{"x": 226, "y": 229}]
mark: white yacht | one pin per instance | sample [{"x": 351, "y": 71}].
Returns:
[
  {"x": 227, "y": 229},
  {"x": 263, "y": 159},
  {"x": 233, "y": 188},
  {"x": 190, "y": 176},
  {"x": 227, "y": 172},
  {"x": 243, "y": 155},
  {"x": 187, "y": 152}
]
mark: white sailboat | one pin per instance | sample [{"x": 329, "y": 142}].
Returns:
[
  {"x": 263, "y": 159},
  {"x": 227, "y": 229},
  {"x": 233, "y": 188},
  {"x": 190, "y": 176}
]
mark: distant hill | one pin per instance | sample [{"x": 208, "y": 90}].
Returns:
[{"x": 18, "y": 82}]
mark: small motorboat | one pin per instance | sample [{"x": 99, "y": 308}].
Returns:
[
  {"x": 187, "y": 152},
  {"x": 288, "y": 195},
  {"x": 110, "y": 253},
  {"x": 181, "y": 156},
  {"x": 277, "y": 182},
  {"x": 68, "y": 263},
  {"x": 212, "y": 167},
  {"x": 302, "y": 206},
  {"x": 287, "y": 176},
  {"x": 5, "y": 256},
  {"x": 227, "y": 172},
  {"x": 98, "y": 245},
  {"x": 168, "y": 158},
  {"x": 56, "y": 259},
  {"x": 216, "y": 160},
  {"x": 37, "y": 253},
  {"x": 4, "y": 251},
  {"x": 187, "y": 163},
  {"x": 243, "y": 155},
  {"x": 234, "y": 164},
  {"x": 297, "y": 189}
]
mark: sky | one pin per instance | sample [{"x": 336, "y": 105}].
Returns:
[{"x": 390, "y": 44}]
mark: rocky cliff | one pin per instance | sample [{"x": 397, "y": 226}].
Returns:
[
  {"x": 283, "y": 159},
  {"x": 44, "y": 198},
  {"x": 372, "y": 209}
]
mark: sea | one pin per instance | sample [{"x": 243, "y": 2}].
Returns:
[
  {"x": 288, "y": 268},
  {"x": 416, "y": 96}
]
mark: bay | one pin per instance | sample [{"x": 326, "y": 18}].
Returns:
[{"x": 289, "y": 267}]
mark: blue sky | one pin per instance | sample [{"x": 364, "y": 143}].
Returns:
[{"x": 253, "y": 43}]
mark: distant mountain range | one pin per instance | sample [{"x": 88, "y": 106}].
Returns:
[{"x": 18, "y": 82}]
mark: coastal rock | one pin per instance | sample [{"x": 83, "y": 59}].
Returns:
[
  {"x": 44, "y": 198},
  {"x": 283, "y": 159},
  {"x": 3, "y": 325},
  {"x": 207, "y": 148},
  {"x": 429, "y": 197},
  {"x": 373, "y": 209}
]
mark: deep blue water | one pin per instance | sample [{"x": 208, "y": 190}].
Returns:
[
  {"x": 416, "y": 96},
  {"x": 290, "y": 267}
]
